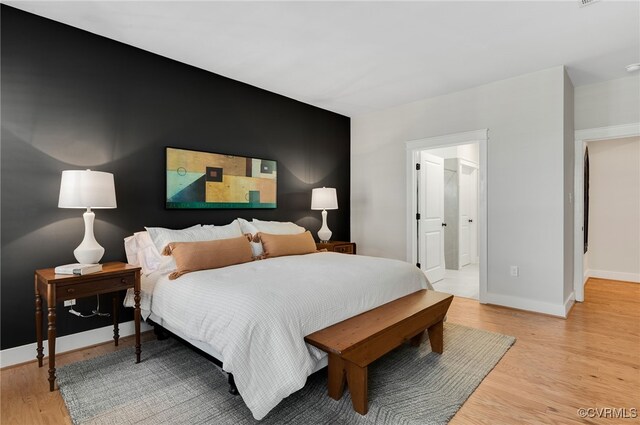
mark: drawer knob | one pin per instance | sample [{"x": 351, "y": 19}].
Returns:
[
  {"x": 70, "y": 290},
  {"x": 123, "y": 280}
]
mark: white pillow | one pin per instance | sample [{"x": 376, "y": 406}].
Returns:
[
  {"x": 228, "y": 231},
  {"x": 148, "y": 256},
  {"x": 247, "y": 227},
  {"x": 278, "y": 227},
  {"x": 131, "y": 249},
  {"x": 161, "y": 237},
  {"x": 142, "y": 252}
]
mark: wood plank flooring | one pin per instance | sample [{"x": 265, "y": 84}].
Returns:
[{"x": 556, "y": 366}]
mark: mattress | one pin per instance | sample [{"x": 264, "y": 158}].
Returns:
[
  {"x": 201, "y": 345},
  {"x": 254, "y": 316}
]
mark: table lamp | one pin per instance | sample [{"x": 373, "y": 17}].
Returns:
[
  {"x": 324, "y": 199},
  {"x": 87, "y": 189}
]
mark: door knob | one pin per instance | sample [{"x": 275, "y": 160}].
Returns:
[
  {"x": 470, "y": 221},
  {"x": 444, "y": 224}
]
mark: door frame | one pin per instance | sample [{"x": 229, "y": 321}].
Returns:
[
  {"x": 581, "y": 138},
  {"x": 412, "y": 148}
]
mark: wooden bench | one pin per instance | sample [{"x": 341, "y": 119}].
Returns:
[{"x": 355, "y": 343}]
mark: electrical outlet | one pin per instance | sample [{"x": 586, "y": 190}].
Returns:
[
  {"x": 69, "y": 303},
  {"x": 515, "y": 271}
]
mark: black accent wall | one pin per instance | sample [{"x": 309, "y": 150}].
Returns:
[{"x": 75, "y": 100}]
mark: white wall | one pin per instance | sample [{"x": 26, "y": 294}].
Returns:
[
  {"x": 614, "y": 209},
  {"x": 609, "y": 103},
  {"x": 525, "y": 117}
]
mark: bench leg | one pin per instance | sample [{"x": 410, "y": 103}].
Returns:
[
  {"x": 336, "y": 376},
  {"x": 357, "y": 379},
  {"x": 436, "y": 338}
]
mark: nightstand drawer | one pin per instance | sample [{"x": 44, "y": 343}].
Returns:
[
  {"x": 337, "y": 246},
  {"x": 94, "y": 287},
  {"x": 345, "y": 249}
]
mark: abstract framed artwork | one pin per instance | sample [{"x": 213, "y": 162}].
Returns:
[{"x": 205, "y": 180}]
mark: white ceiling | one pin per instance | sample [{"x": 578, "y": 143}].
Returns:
[{"x": 356, "y": 57}]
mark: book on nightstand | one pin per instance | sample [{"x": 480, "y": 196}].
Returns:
[{"x": 78, "y": 269}]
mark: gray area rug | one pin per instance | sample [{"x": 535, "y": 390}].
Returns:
[{"x": 174, "y": 385}]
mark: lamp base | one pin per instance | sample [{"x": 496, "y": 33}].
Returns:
[
  {"x": 324, "y": 234},
  {"x": 89, "y": 251},
  {"x": 88, "y": 256}
]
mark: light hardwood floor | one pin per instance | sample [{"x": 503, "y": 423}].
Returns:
[{"x": 556, "y": 366}]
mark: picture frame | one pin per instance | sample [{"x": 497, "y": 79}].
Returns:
[{"x": 208, "y": 180}]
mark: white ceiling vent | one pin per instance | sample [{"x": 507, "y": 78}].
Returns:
[{"x": 584, "y": 3}]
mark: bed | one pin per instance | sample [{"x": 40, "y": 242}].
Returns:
[{"x": 253, "y": 317}]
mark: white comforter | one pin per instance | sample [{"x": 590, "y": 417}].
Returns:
[{"x": 257, "y": 314}]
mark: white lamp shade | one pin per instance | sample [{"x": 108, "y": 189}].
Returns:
[
  {"x": 87, "y": 189},
  {"x": 324, "y": 198}
]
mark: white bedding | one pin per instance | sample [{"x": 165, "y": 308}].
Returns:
[{"x": 257, "y": 314}]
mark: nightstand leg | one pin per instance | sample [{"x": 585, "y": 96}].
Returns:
[
  {"x": 51, "y": 337},
  {"x": 136, "y": 314},
  {"x": 114, "y": 314},
  {"x": 39, "y": 349}
]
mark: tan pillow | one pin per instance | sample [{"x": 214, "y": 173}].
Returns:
[
  {"x": 280, "y": 245},
  {"x": 193, "y": 256}
]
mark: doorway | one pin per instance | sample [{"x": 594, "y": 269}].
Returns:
[
  {"x": 582, "y": 137},
  {"x": 447, "y": 217},
  {"x": 612, "y": 245},
  {"x": 447, "y": 211}
]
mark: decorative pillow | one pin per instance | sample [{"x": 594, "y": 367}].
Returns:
[
  {"x": 280, "y": 245},
  {"x": 250, "y": 229},
  {"x": 151, "y": 243},
  {"x": 277, "y": 227},
  {"x": 193, "y": 256}
]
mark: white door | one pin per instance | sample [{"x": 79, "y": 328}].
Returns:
[
  {"x": 465, "y": 184},
  {"x": 431, "y": 210}
]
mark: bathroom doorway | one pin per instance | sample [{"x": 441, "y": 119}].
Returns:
[{"x": 450, "y": 183}]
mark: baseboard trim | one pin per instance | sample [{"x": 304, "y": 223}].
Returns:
[
  {"x": 606, "y": 274},
  {"x": 26, "y": 353},
  {"x": 569, "y": 303},
  {"x": 558, "y": 310}
]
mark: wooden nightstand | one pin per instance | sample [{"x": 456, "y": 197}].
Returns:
[
  {"x": 336, "y": 246},
  {"x": 58, "y": 287}
]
